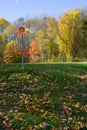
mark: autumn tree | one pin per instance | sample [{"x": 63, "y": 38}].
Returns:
[
  {"x": 3, "y": 24},
  {"x": 3, "y": 39},
  {"x": 69, "y": 27},
  {"x": 11, "y": 54},
  {"x": 34, "y": 52}
]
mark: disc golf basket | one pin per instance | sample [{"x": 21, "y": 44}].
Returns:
[{"x": 21, "y": 37}]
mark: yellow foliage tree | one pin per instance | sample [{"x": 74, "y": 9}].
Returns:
[
  {"x": 69, "y": 34},
  {"x": 10, "y": 54}
]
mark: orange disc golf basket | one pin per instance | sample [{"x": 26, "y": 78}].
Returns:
[{"x": 22, "y": 42}]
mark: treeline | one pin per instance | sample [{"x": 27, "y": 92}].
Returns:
[{"x": 50, "y": 39}]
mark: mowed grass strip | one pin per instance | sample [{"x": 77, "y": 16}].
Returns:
[{"x": 43, "y": 96}]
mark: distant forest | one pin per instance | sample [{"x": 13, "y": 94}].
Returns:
[{"x": 49, "y": 40}]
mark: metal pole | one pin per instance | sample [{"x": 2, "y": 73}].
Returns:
[{"x": 22, "y": 62}]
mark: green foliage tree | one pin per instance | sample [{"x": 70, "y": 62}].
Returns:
[
  {"x": 40, "y": 38},
  {"x": 52, "y": 33},
  {"x": 84, "y": 32}
]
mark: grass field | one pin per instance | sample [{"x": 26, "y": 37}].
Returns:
[{"x": 43, "y": 96}]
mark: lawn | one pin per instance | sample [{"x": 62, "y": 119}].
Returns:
[{"x": 43, "y": 96}]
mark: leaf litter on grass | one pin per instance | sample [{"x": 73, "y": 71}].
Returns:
[{"x": 42, "y": 100}]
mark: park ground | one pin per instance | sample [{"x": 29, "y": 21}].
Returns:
[{"x": 48, "y": 96}]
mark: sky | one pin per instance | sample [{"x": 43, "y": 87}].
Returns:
[{"x": 11, "y": 10}]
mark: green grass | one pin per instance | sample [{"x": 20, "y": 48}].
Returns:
[{"x": 43, "y": 96}]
